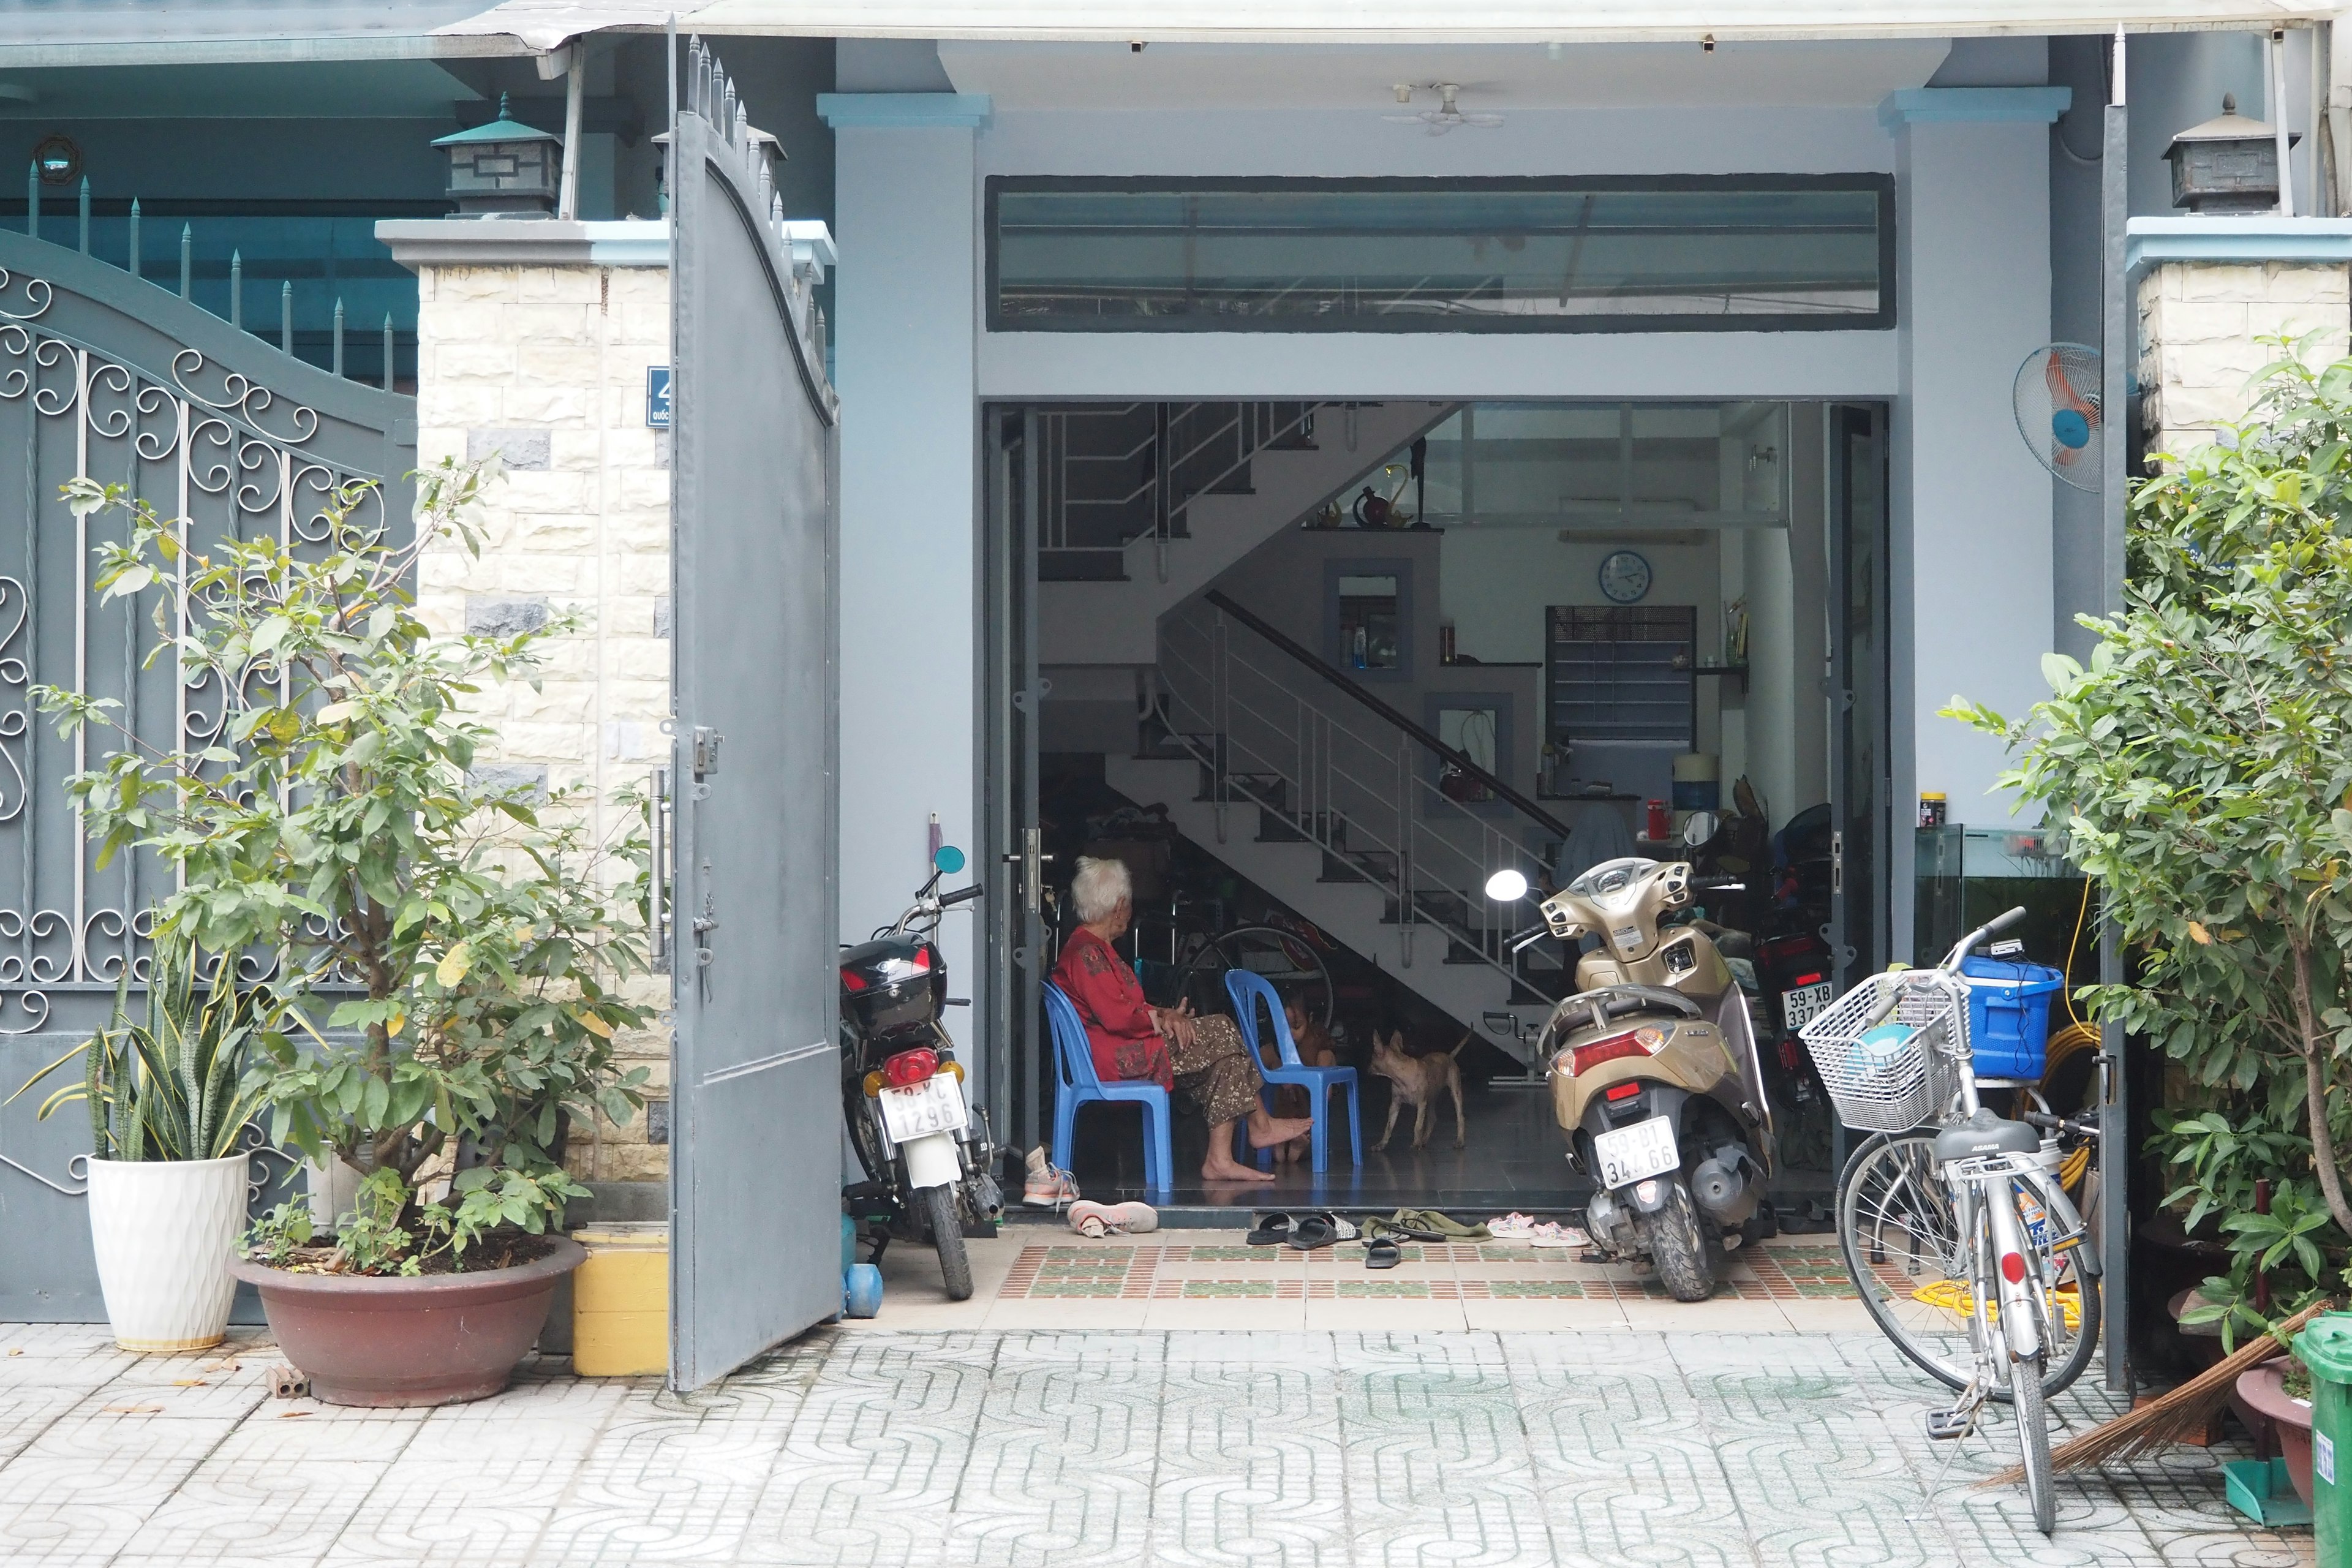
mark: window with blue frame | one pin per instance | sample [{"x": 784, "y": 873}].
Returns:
[{"x": 1563, "y": 255}]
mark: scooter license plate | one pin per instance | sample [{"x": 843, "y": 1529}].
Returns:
[
  {"x": 1802, "y": 1006},
  {"x": 1630, "y": 1154},
  {"x": 936, "y": 1106}
]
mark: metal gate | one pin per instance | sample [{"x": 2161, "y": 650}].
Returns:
[
  {"x": 755, "y": 1148},
  {"x": 105, "y": 375}
]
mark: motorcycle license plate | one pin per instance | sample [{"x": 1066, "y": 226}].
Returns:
[
  {"x": 1802, "y": 1006},
  {"x": 1630, "y": 1154},
  {"x": 936, "y": 1106}
]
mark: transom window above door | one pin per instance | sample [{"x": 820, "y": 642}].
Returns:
[{"x": 1745, "y": 253}]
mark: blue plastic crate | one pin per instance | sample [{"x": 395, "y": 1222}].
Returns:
[{"x": 2008, "y": 1016}]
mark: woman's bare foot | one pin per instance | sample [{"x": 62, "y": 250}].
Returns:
[
  {"x": 1272, "y": 1131},
  {"x": 1228, "y": 1169}
]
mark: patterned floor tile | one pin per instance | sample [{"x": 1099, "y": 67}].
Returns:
[{"x": 1241, "y": 1443}]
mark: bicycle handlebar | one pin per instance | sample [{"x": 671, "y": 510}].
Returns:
[{"x": 1967, "y": 943}]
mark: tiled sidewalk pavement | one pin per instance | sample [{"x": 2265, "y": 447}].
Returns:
[{"x": 1069, "y": 1449}]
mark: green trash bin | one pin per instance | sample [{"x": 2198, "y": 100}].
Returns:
[{"x": 2326, "y": 1347}]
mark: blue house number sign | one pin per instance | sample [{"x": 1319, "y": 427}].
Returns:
[{"x": 658, "y": 397}]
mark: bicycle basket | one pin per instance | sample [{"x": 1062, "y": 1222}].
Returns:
[{"x": 1891, "y": 1051}]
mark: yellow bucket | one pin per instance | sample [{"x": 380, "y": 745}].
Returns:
[{"x": 620, "y": 1301}]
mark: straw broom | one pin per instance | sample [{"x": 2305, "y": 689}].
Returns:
[{"x": 2163, "y": 1421}]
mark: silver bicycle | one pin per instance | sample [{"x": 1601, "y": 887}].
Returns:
[{"x": 1965, "y": 1225}]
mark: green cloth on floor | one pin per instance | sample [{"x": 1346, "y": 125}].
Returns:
[{"x": 1427, "y": 1224}]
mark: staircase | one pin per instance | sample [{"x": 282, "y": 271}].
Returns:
[
  {"x": 1118, "y": 548},
  {"x": 1330, "y": 801}
]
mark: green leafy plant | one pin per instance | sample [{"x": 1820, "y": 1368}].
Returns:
[
  {"x": 175, "y": 1085},
  {"x": 278, "y": 1235},
  {"x": 469, "y": 946},
  {"x": 2201, "y": 768}
]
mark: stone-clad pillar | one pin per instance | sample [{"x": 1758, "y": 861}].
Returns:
[
  {"x": 533, "y": 340},
  {"x": 2202, "y": 326}
]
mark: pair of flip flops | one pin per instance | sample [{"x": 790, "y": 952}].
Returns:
[{"x": 1305, "y": 1232}]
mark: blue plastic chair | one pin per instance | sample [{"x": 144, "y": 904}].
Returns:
[
  {"x": 1077, "y": 1083},
  {"x": 1248, "y": 989}
]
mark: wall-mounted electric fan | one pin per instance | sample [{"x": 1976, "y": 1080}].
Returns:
[{"x": 2057, "y": 399}]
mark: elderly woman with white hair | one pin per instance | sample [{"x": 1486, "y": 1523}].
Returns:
[{"x": 1202, "y": 1058}]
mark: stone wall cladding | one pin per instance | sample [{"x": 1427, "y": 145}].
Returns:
[
  {"x": 547, "y": 365},
  {"x": 2200, "y": 331}
]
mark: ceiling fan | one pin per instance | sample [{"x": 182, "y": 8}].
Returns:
[{"x": 1446, "y": 115}]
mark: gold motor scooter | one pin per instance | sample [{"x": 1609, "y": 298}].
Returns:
[{"x": 1654, "y": 1072}]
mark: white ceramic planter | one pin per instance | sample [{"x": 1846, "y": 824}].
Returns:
[{"x": 163, "y": 1231}]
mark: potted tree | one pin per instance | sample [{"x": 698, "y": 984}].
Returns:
[
  {"x": 168, "y": 1101},
  {"x": 2200, "y": 769},
  {"x": 452, "y": 951}
]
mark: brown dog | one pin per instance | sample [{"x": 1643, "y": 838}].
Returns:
[
  {"x": 1316, "y": 1050},
  {"x": 1418, "y": 1082}
]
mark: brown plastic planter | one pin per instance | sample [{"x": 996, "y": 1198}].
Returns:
[
  {"x": 2264, "y": 1387},
  {"x": 440, "y": 1339}
]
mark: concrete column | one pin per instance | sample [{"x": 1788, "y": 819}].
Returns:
[
  {"x": 1972, "y": 504},
  {"x": 905, "y": 316}
]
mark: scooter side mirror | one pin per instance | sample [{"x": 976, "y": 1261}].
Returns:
[
  {"x": 1506, "y": 886},
  {"x": 947, "y": 859},
  {"x": 1700, "y": 827}
]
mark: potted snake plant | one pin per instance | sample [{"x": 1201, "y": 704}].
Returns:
[{"x": 168, "y": 1100}]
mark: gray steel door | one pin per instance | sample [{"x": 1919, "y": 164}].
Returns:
[{"x": 755, "y": 1174}]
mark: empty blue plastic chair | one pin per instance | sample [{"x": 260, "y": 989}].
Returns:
[
  {"x": 1077, "y": 1083},
  {"x": 1248, "y": 989}
]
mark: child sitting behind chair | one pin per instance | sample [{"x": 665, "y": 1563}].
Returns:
[{"x": 1316, "y": 1049}]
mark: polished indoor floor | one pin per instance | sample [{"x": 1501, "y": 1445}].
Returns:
[{"x": 1513, "y": 1157}]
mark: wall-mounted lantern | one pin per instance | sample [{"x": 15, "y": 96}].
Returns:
[
  {"x": 2230, "y": 165},
  {"x": 504, "y": 166}
]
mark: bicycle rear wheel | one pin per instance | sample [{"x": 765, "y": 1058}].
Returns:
[
  {"x": 1908, "y": 1260},
  {"x": 2025, "y": 1384}
]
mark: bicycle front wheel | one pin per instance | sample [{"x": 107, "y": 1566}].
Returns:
[{"x": 1908, "y": 1258}]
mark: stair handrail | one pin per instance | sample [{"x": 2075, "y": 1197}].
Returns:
[
  {"x": 1338, "y": 677},
  {"x": 1309, "y": 803},
  {"x": 1158, "y": 485}
]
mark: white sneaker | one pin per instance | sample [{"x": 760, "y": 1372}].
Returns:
[
  {"x": 1046, "y": 1186},
  {"x": 1090, "y": 1218}
]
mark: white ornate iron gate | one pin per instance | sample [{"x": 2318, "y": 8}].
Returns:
[
  {"x": 108, "y": 376},
  {"x": 755, "y": 1143}
]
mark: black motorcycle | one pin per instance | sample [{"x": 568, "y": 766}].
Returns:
[{"x": 927, "y": 1154}]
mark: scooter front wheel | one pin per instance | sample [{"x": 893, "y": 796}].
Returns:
[
  {"x": 1677, "y": 1247},
  {"x": 937, "y": 1206}
]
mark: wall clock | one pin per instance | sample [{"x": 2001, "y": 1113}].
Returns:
[{"x": 1625, "y": 577}]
